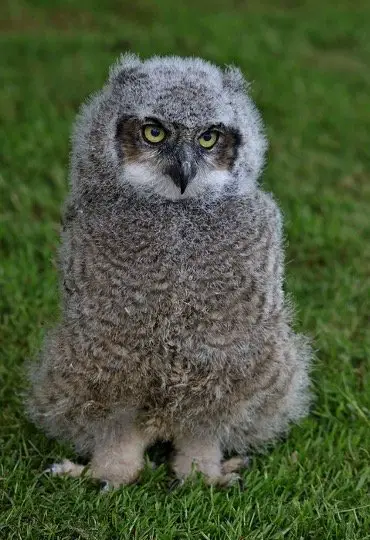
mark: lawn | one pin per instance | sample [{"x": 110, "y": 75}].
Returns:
[{"x": 310, "y": 67}]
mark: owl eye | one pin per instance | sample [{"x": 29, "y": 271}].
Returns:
[
  {"x": 153, "y": 134},
  {"x": 208, "y": 139}
]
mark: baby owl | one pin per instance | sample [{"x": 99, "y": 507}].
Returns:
[{"x": 174, "y": 325}]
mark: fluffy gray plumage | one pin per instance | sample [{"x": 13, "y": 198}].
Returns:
[{"x": 174, "y": 323}]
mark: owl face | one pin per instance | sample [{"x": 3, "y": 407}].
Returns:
[
  {"x": 175, "y": 160},
  {"x": 175, "y": 127}
]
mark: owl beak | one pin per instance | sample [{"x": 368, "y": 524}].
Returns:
[
  {"x": 185, "y": 176},
  {"x": 183, "y": 169}
]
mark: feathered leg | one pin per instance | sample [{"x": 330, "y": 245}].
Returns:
[
  {"x": 202, "y": 455},
  {"x": 115, "y": 461}
]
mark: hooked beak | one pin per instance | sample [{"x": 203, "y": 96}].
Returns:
[{"x": 182, "y": 169}]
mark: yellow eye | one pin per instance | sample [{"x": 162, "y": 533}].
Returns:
[
  {"x": 153, "y": 134},
  {"x": 208, "y": 139}
]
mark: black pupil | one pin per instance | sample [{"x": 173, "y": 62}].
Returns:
[
  {"x": 207, "y": 136},
  {"x": 155, "y": 132}
]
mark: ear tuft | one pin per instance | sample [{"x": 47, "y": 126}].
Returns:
[
  {"x": 234, "y": 80},
  {"x": 126, "y": 64}
]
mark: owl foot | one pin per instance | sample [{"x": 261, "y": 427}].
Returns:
[
  {"x": 224, "y": 480},
  {"x": 114, "y": 462},
  {"x": 111, "y": 477},
  {"x": 65, "y": 467},
  {"x": 234, "y": 464},
  {"x": 204, "y": 456}
]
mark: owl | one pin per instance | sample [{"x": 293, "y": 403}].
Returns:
[{"x": 174, "y": 325}]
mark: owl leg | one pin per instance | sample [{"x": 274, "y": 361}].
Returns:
[
  {"x": 119, "y": 462},
  {"x": 115, "y": 461},
  {"x": 201, "y": 455}
]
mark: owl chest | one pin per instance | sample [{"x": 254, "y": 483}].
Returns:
[
  {"x": 161, "y": 284},
  {"x": 172, "y": 279}
]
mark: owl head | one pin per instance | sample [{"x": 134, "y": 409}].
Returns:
[{"x": 170, "y": 127}]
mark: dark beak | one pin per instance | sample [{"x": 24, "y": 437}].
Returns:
[{"x": 182, "y": 169}]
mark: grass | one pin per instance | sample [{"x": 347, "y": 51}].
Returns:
[{"x": 310, "y": 63}]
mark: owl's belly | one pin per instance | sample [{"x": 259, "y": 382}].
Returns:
[
  {"x": 184, "y": 323},
  {"x": 170, "y": 349},
  {"x": 181, "y": 392}
]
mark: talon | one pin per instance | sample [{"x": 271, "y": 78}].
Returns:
[
  {"x": 241, "y": 484},
  {"x": 230, "y": 479},
  {"x": 105, "y": 486},
  {"x": 56, "y": 468},
  {"x": 65, "y": 467},
  {"x": 246, "y": 462},
  {"x": 175, "y": 483}
]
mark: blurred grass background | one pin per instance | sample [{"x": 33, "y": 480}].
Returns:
[{"x": 309, "y": 62}]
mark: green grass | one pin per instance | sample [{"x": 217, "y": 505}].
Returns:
[{"x": 310, "y": 63}]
